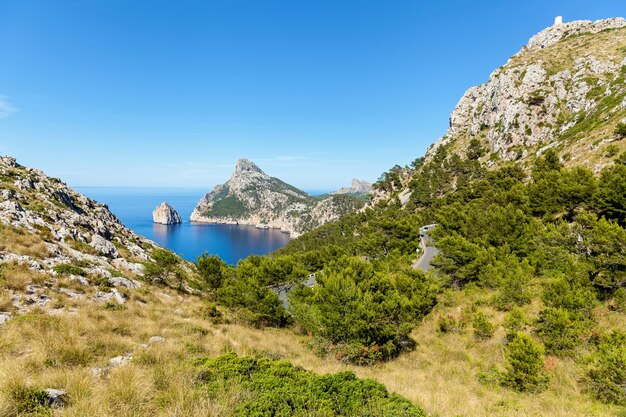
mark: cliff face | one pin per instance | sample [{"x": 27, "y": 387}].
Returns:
[
  {"x": 564, "y": 90},
  {"x": 252, "y": 197},
  {"x": 48, "y": 230},
  {"x": 165, "y": 214}
]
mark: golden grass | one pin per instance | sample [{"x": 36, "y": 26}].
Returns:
[
  {"x": 14, "y": 276},
  {"x": 440, "y": 375},
  {"x": 22, "y": 242}
]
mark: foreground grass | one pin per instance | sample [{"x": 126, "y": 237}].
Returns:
[{"x": 39, "y": 351}]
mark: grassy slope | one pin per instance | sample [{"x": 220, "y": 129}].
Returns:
[{"x": 39, "y": 350}]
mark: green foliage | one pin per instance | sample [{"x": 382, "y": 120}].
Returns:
[
  {"x": 165, "y": 264},
  {"x": 277, "y": 388},
  {"x": 483, "y": 328},
  {"x": 562, "y": 331},
  {"x": 606, "y": 378},
  {"x": 525, "y": 364},
  {"x": 451, "y": 324},
  {"x": 365, "y": 315},
  {"x": 514, "y": 323},
  {"x": 69, "y": 269},
  {"x": 620, "y": 130},
  {"x": 31, "y": 401},
  {"x": 211, "y": 269}
]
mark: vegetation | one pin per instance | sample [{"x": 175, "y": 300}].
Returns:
[{"x": 277, "y": 388}]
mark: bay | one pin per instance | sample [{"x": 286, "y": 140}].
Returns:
[{"x": 133, "y": 206}]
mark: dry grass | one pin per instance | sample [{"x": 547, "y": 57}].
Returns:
[
  {"x": 42, "y": 351},
  {"x": 22, "y": 242},
  {"x": 14, "y": 276}
]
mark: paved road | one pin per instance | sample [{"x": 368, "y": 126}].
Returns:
[
  {"x": 429, "y": 251},
  {"x": 283, "y": 289}
]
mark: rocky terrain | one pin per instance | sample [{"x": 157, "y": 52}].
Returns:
[
  {"x": 49, "y": 231},
  {"x": 251, "y": 197},
  {"x": 165, "y": 214},
  {"x": 564, "y": 90},
  {"x": 356, "y": 187}
]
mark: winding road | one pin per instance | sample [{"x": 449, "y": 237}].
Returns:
[{"x": 429, "y": 251}]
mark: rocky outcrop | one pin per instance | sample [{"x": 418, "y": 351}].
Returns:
[
  {"x": 251, "y": 197},
  {"x": 357, "y": 187},
  {"x": 48, "y": 228},
  {"x": 564, "y": 90},
  {"x": 165, "y": 214}
]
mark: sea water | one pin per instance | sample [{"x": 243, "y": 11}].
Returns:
[{"x": 134, "y": 206}]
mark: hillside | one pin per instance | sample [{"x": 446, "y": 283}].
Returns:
[
  {"x": 565, "y": 90},
  {"x": 98, "y": 321},
  {"x": 252, "y": 197}
]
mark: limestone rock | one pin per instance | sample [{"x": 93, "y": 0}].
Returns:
[
  {"x": 251, "y": 197},
  {"x": 539, "y": 98},
  {"x": 56, "y": 397},
  {"x": 103, "y": 246},
  {"x": 165, "y": 214},
  {"x": 357, "y": 187}
]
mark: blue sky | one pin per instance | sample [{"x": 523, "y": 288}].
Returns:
[{"x": 172, "y": 93}]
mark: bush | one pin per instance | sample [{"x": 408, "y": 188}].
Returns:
[
  {"x": 562, "y": 331},
  {"x": 277, "y": 388},
  {"x": 620, "y": 130},
  {"x": 515, "y": 322},
  {"x": 364, "y": 314},
  {"x": 450, "y": 324},
  {"x": 483, "y": 328},
  {"x": 210, "y": 268},
  {"x": 525, "y": 364},
  {"x": 69, "y": 269},
  {"x": 31, "y": 401},
  {"x": 618, "y": 300},
  {"x": 606, "y": 379}
]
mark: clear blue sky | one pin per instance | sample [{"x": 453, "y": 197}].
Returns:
[{"x": 172, "y": 93}]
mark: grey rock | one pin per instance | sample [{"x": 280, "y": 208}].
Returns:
[
  {"x": 56, "y": 397},
  {"x": 103, "y": 246},
  {"x": 120, "y": 360},
  {"x": 122, "y": 282},
  {"x": 4, "y": 317},
  {"x": 156, "y": 339}
]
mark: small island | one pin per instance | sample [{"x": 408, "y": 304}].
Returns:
[{"x": 165, "y": 214}]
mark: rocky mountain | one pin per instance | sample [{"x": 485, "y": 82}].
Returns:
[
  {"x": 564, "y": 90},
  {"x": 356, "y": 187},
  {"x": 252, "y": 197},
  {"x": 49, "y": 230},
  {"x": 165, "y": 214}
]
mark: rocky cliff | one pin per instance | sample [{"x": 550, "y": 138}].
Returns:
[
  {"x": 564, "y": 90},
  {"x": 252, "y": 197},
  {"x": 356, "y": 187},
  {"x": 165, "y": 214},
  {"x": 49, "y": 231}
]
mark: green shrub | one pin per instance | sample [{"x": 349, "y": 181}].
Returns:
[
  {"x": 483, "y": 328},
  {"x": 606, "y": 378},
  {"x": 364, "y": 314},
  {"x": 618, "y": 300},
  {"x": 211, "y": 270},
  {"x": 31, "y": 401},
  {"x": 450, "y": 324},
  {"x": 525, "y": 364},
  {"x": 515, "y": 322},
  {"x": 69, "y": 269},
  {"x": 620, "y": 130},
  {"x": 562, "y": 331},
  {"x": 277, "y": 388}
]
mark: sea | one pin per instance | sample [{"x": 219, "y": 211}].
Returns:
[{"x": 134, "y": 206}]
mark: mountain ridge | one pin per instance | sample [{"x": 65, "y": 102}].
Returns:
[{"x": 251, "y": 197}]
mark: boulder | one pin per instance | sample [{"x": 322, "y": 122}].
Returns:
[
  {"x": 165, "y": 214},
  {"x": 103, "y": 246}
]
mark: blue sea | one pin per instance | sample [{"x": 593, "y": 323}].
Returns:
[{"x": 133, "y": 206}]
